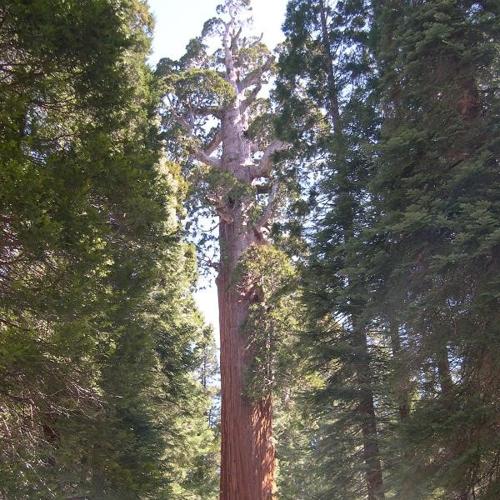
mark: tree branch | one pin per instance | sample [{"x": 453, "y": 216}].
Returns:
[
  {"x": 250, "y": 98},
  {"x": 235, "y": 39},
  {"x": 196, "y": 152},
  {"x": 200, "y": 155},
  {"x": 255, "y": 76},
  {"x": 269, "y": 210},
  {"x": 207, "y": 111},
  {"x": 265, "y": 165},
  {"x": 228, "y": 54},
  {"x": 257, "y": 41},
  {"x": 214, "y": 143}
]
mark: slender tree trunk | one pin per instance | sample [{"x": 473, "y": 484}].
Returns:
[
  {"x": 403, "y": 383},
  {"x": 402, "y": 395},
  {"x": 248, "y": 456},
  {"x": 333, "y": 105},
  {"x": 444, "y": 372},
  {"x": 371, "y": 452},
  {"x": 456, "y": 446}
]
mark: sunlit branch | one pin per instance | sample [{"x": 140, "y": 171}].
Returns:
[
  {"x": 255, "y": 76},
  {"x": 265, "y": 165},
  {"x": 250, "y": 99},
  {"x": 214, "y": 143},
  {"x": 196, "y": 152},
  {"x": 270, "y": 209}
]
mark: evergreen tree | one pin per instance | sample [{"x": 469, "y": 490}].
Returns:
[
  {"x": 216, "y": 118},
  {"x": 98, "y": 331},
  {"x": 367, "y": 333},
  {"x": 327, "y": 66},
  {"x": 406, "y": 244},
  {"x": 437, "y": 260}
]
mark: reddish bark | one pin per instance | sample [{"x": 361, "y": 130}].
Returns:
[
  {"x": 247, "y": 470},
  {"x": 248, "y": 457},
  {"x": 371, "y": 452}
]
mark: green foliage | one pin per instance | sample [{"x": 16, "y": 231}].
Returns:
[
  {"x": 296, "y": 429},
  {"x": 404, "y": 242},
  {"x": 378, "y": 340},
  {"x": 268, "y": 278},
  {"x": 437, "y": 184},
  {"x": 199, "y": 87},
  {"x": 326, "y": 67},
  {"x": 97, "y": 327},
  {"x": 217, "y": 186}
]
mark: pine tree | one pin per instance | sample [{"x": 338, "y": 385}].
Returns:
[
  {"x": 437, "y": 191},
  {"x": 327, "y": 62}
]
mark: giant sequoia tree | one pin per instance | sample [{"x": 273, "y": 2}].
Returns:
[{"x": 214, "y": 103}]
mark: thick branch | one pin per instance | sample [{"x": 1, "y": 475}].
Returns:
[
  {"x": 202, "y": 156},
  {"x": 207, "y": 111},
  {"x": 196, "y": 152},
  {"x": 235, "y": 39},
  {"x": 250, "y": 99},
  {"x": 255, "y": 76},
  {"x": 265, "y": 165},
  {"x": 228, "y": 54},
  {"x": 269, "y": 210},
  {"x": 214, "y": 143}
]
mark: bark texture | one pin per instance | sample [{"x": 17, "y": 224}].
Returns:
[
  {"x": 248, "y": 456},
  {"x": 371, "y": 452},
  {"x": 403, "y": 383}
]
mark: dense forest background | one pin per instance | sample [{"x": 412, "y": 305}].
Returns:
[{"x": 371, "y": 278}]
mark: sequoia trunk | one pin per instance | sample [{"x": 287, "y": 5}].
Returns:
[
  {"x": 247, "y": 470},
  {"x": 242, "y": 164}
]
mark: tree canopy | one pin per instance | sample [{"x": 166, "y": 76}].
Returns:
[{"x": 345, "y": 189}]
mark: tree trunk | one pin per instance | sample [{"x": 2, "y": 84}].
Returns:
[
  {"x": 444, "y": 373},
  {"x": 248, "y": 457},
  {"x": 333, "y": 104},
  {"x": 247, "y": 469},
  {"x": 402, "y": 395},
  {"x": 401, "y": 390},
  {"x": 371, "y": 453}
]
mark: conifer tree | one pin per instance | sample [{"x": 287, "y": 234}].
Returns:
[
  {"x": 421, "y": 257},
  {"x": 327, "y": 62},
  {"x": 214, "y": 102},
  {"x": 98, "y": 331},
  {"x": 437, "y": 187}
]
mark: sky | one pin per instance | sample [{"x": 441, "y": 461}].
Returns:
[{"x": 177, "y": 22}]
